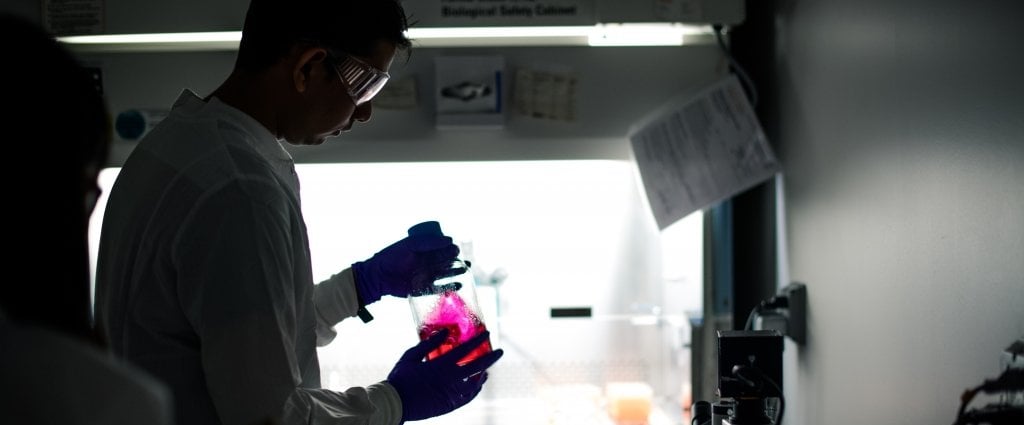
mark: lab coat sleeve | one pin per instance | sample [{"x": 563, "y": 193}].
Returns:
[
  {"x": 235, "y": 264},
  {"x": 373, "y": 405},
  {"x": 335, "y": 299}
]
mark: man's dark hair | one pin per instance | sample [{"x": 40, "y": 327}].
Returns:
[{"x": 273, "y": 27}]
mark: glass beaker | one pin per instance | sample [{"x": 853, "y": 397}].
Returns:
[{"x": 452, "y": 306}]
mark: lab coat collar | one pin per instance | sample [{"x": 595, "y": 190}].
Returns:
[{"x": 262, "y": 139}]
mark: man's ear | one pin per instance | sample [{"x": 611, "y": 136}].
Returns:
[{"x": 307, "y": 64}]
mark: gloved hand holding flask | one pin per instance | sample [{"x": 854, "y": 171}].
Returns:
[
  {"x": 406, "y": 267},
  {"x": 450, "y": 303},
  {"x": 447, "y": 369},
  {"x": 443, "y": 384}
]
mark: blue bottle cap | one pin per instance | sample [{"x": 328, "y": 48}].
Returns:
[{"x": 426, "y": 228}]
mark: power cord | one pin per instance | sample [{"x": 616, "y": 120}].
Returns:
[
  {"x": 778, "y": 301},
  {"x": 740, "y": 370},
  {"x": 701, "y": 412},
  {"x": 744, "y": 77},
  {"x": 1010, "y": 380}
]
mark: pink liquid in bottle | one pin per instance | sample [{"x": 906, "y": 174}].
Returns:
[{"x": 451, "y": 313}]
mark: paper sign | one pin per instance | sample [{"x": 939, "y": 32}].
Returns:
[
  {"x": 701, "y": 150},
  {"x": 399, "y": 93},
  {"x": 546, "y": 94},
  {"x": 461, "y": 13},
  {"x": 469, "y": 91},
  {"x": 73, "y": 17}
]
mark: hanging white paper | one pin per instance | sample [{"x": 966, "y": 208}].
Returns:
[{"x": 701, "y": 150}]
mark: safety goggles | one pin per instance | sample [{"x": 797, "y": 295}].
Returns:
[{"x": 362, "y": 81}]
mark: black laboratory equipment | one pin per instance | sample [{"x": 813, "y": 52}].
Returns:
[
  {"x": 749, "y": 380},
  {"x": 1008, "y": 387}
]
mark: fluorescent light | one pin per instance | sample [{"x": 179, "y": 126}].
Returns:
[
  {"x": 177, "y": 37},
  {"x": 499, "y": 36},
  {"x": 180, "y": 41},
  {"x": 640, "y": 35},
  {"x": 659, "y": 34}
]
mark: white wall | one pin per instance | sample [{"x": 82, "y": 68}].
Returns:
[{"x": 901, "y": 138}]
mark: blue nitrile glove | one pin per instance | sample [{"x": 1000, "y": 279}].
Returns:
[
  {"x": 435, "y": 387},
  {"x": 408, "y": 266}
]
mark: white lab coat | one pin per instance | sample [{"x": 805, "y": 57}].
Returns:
[
  {"x": 52, "y": 378},
  {"x": 204, "y": 277}
]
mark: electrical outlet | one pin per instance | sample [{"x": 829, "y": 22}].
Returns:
[
  {"x": 796, "y": 327},
  {"x": 785, "y": 313}
]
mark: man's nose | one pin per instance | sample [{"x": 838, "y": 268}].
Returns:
[{"x": 363, "y": 112}]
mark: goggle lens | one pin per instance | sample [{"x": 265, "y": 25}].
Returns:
[{"x": 362, "y": 80}]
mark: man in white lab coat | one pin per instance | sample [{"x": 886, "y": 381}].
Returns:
[{"x": 204, "y": 274}]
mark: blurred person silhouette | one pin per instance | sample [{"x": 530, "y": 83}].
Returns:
[
  {"x": 53, "y": 367},
  {"x": 204, "y": 276}
]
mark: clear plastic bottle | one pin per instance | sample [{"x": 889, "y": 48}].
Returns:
[{"x": 453, "y": 306}]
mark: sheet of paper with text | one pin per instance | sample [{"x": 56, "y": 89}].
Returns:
[{"x": 700, "y": 150}]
